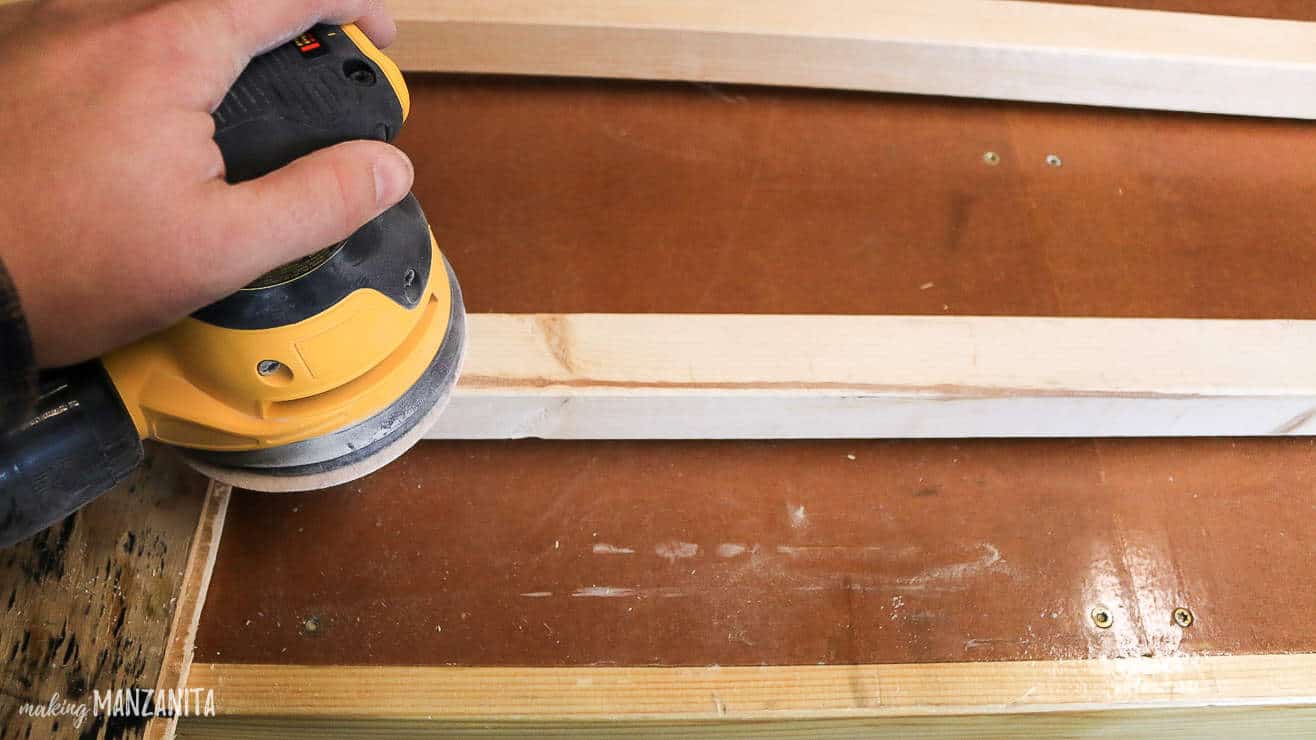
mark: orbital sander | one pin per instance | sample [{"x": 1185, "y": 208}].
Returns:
[{"x": 316, "y": 374}]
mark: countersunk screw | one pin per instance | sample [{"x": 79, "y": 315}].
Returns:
[
  {"x": 991, "y": 158},
  {"x": 1054, "y": 160},
  {"x": 1102, "y": 617},
  {"x": 1183, "y": 617}
]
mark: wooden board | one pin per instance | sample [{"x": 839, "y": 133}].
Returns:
[
  {"x": 191, "y": 597},
  {"x": 996, "y": 49},
  {"x": 89, "y": 602},
  {"x": 762, "y": 377},
  {"x": 890, "y": 699},
  {"x": 1214, "y": 722}
]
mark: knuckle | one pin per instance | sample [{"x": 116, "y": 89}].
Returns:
[
  {"x": 174, "y": 35},
  {"x": 349, "y": 195}
]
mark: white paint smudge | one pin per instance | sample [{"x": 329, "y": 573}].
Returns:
[
  {"x": 603, "y": 592},
  {"x": 838, "y": 551},
  {"x": 673, "y": 551},
  {"x": 602, "y": 548},
  {"x": 538, "y": 594},
  {"x": 958, "y": 571},
  {"x": 730, "y": 550},
  {"x": 798, "y": 518}
]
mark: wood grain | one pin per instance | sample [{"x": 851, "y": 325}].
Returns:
[
  {"x": 90, "y": 601},
  {"x": 691, "y": 553},
  {"x": 600, "y": 696},
  {"x": 573, "y": 196},
  {"x": 191, "y": 597},
  {"x": 1225, "y": 723},
  {"x": 980, "y": 49},
  {"x": 652, "y": 376}
]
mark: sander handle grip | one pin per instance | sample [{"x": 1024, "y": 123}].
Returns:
[{"x": 79, "y": 442}]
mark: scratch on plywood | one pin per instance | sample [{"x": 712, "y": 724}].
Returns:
[
  {"x": 955, "y": 572},
  {"x": 619, "y": 592},
  {"x": 974, "y": 643},
  {"x": 603, "y": 592}
]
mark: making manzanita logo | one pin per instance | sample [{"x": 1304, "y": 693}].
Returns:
[{"x": 127, "y": 703}]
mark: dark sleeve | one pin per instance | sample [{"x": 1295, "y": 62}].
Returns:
[{"x": 18, "y": 366}]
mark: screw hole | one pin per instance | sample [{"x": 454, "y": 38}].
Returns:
[
  {"x": 411, "y": 287},
  {"x": 359, "y": 72},
  {"x": 274, "y": 372}
]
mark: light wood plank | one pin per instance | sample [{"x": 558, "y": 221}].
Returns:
[
  {"x": 1226, "y": 723},
  {"x": 187, "y": 610},
  {"x": 599, "y": 376},
  {"x": 575, "y": 698},
  {"x": 998, "y": 49}
]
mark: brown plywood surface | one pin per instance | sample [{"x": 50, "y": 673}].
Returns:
[
  {"x": 566, "y": 196},
  {"x": 550, "y": 553}
]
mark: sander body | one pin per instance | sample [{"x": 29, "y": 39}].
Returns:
[{"x": 317, "y": 373}]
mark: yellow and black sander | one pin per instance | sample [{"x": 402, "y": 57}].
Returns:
[{"x": 315, "y": 374}]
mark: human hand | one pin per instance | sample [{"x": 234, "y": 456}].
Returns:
[{"x": 115, "y": 220}]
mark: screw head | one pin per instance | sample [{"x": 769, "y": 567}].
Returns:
[
  {"x": 1053, "y": 160},
  {"x": 1102, "y": 617},
  {"x": 359, "y": 72},
  {"x": 1183, "y": 617},
  {"x": 991, "y": 158}
]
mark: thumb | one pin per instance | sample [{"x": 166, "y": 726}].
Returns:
[{"x": 307, "y": 205}]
